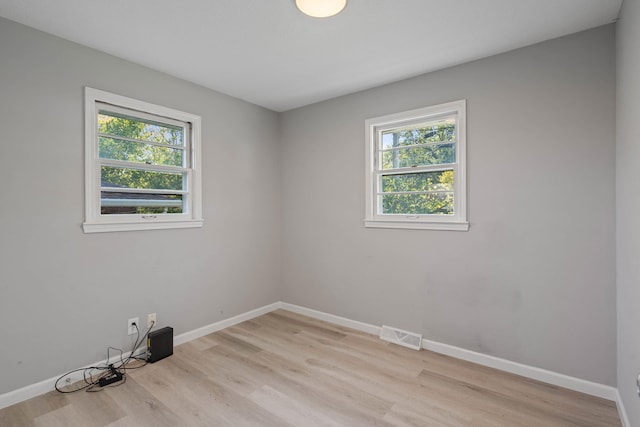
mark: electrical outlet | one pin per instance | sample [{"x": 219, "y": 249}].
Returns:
[
  {"x": 151, "y": 320},
  {"x": 132, "y": 329}
]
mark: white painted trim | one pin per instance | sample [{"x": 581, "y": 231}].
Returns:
[
  {"x": 550, "y": 377},
  {"x": 337, "y": 320},
  {"x": 33, "y": 390},
  {"x": 218, "y": 326},
  {"x": 95, "y": 222},
  {"x": 26, "y": 393},
  {"x": 432, "y": 225},
  {"x": 373, "y": 129},
  {"x": 622, "y": 411},
  {"x": 96, "y": 227}
]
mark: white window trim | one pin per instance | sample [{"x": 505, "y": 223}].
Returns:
[
  {"x": 97, "y": 223},
  {"x": 373, "y": 129}
]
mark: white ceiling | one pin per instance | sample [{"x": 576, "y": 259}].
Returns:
[{"x": 268, "y": 53}]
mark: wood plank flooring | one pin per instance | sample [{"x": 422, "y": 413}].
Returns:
[{"x": 284, "y": 369}]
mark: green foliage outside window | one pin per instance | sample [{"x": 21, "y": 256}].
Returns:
[
  {"x": 424, "y": 192},
  {"x": 134, "y": 140}
]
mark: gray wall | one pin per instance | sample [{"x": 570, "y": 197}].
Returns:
[
  {"x": 64, "y": 295},
  {"x": 533, "y": 281},
  {"x": 628, "y": 206}
]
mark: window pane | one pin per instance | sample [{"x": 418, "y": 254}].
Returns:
[
  {"x": 114, "y": 203},
  {"x": 419, "y": 156},
  {"x": 438, "y": 131},
  {"x": 129, "y": 151},
  {"x": 426, "y": 181},
  {"x": 137, "y": 128},
  {"x": 133, "y": 178},
  {"x": 418, "y": 204}
]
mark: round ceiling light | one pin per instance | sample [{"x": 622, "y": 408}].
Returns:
[{"x": 321, "y": 8}]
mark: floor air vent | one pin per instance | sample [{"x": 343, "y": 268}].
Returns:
[{"x": 400, "y": 337}]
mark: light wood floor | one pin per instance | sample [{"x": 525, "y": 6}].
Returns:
[{"x": 283, "y": 369}]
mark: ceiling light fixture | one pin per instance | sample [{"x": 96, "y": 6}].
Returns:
[{"x": 321, "y": 8}]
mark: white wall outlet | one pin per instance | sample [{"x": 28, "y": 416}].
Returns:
[
  {"x": 151, "y": 320},
  {"x": 132, "y": 329}
]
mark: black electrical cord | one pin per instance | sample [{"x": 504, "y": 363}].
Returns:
[
  {"x": 137, "y": 344},
  {"x": 91, "y": 381}
]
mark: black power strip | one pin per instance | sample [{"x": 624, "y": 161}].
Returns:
[{"x": 113, "y": 377}]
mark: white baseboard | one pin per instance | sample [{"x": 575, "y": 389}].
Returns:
[
  {"x": 621, "y": 411},
  {"x": 33, "y": 390},
  {"x": 28, "y": 392},
  {"x": 337, "y": 320},
  {"x": 218, "y": 326},
  {"x": 550, "y": 377}
]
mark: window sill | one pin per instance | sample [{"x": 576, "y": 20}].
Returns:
[
  {"x": 96, "y": 227},
  {"x": 417, "y": 225}
]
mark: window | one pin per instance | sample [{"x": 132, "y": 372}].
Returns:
[
  {"x": 142, "y": 165},
  {"x": 416, "y": 169}
]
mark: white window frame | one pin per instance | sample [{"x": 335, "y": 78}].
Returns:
[
  {"x": 373, "y": 132},
  {"x": 95, "y": 222}
]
